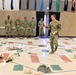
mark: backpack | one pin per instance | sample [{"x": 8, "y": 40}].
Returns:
[{"x": 44, "y": 69}]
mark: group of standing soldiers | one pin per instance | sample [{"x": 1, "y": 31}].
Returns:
[{"x": 28, "y": 28}]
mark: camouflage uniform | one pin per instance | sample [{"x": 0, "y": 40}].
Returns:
[
  {"x": 18, "y": 24},
  {"x": 26, "y": 28},
  {"x": 41, "y": 25},
  {"x": 32, "y": 28},
  {"x": 8, "y": 27},
  {"x": 54, "y": 26}
]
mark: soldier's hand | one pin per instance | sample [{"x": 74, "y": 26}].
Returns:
[
  {"x": 55, "y": 32},
  {"x": 46, "y": 25}
]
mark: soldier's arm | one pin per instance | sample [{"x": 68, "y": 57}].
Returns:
[
  {"x": 11, "y": 24},
  {"x": 11, "y": 21},
  {"x": 39, "y": 24},
  {"x": 59, "y": 27},
  {"x": 15, "y": 23},
  {"x": 28, "y": 23},
  {"x": 48, "y": 26},
  {"x": 21, "y": 23},
  {"x": 35, "y": 24}
]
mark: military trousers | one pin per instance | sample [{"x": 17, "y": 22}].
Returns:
[
  {"x": 8, "y": 30},
  {"x": 32, "y": 33},
  {"x": 40, "y": 31},
  {"x": 53, "y": 42},
  {"x": 17, "y": 30}
]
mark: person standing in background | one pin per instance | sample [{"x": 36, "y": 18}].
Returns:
[
  {"x": 32, "y": 27},
  {"x": 41, "y": 26},
  {"x": 25, "y": 27},
  {"x": 54, "y": 27},
  {"x": 18, "y": 24},
  {"x": 8, "y": 26}
]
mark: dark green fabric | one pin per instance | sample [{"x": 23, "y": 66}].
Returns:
[{"x": 44, "y": 69}]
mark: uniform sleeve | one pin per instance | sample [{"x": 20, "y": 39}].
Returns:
[
  {"x": 43, "y": 23},
  {"x": 21, "y": 23},
  {"x": 59, "y": 26},
  {"x": 34, "y": 24},
  {"x": 15, "y": 22},
  {"x": 28, "y": 23},
  {"x": 49, "y": 26},
  {"x": 38, "y": 23}
]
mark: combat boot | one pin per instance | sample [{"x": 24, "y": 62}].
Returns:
[
  {"x": 51, "y": 52},
  {"x": 55, "y": 48}
]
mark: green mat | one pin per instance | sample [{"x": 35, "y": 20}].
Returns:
[
  {"x": 69, "y": 51},
  {"x": 18, "y": 68},
  {"x": 56, "y": 67}
]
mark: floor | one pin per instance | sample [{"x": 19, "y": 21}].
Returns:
[{"x": 34, "y": 52}]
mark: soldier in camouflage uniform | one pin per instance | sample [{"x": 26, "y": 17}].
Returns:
[
  {"x": 25, "y": 27},
  {"x": 32, "y": 27},
  {"x": 18, "y": 25},
  {"x": 41, "y": 26},
  {"x": 55, "y": 27},
  {"x": 8, "y": 26},
  {"x": 28, "y": 30}
]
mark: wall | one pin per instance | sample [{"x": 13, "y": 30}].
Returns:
[{"x": 68, "y": 21}]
